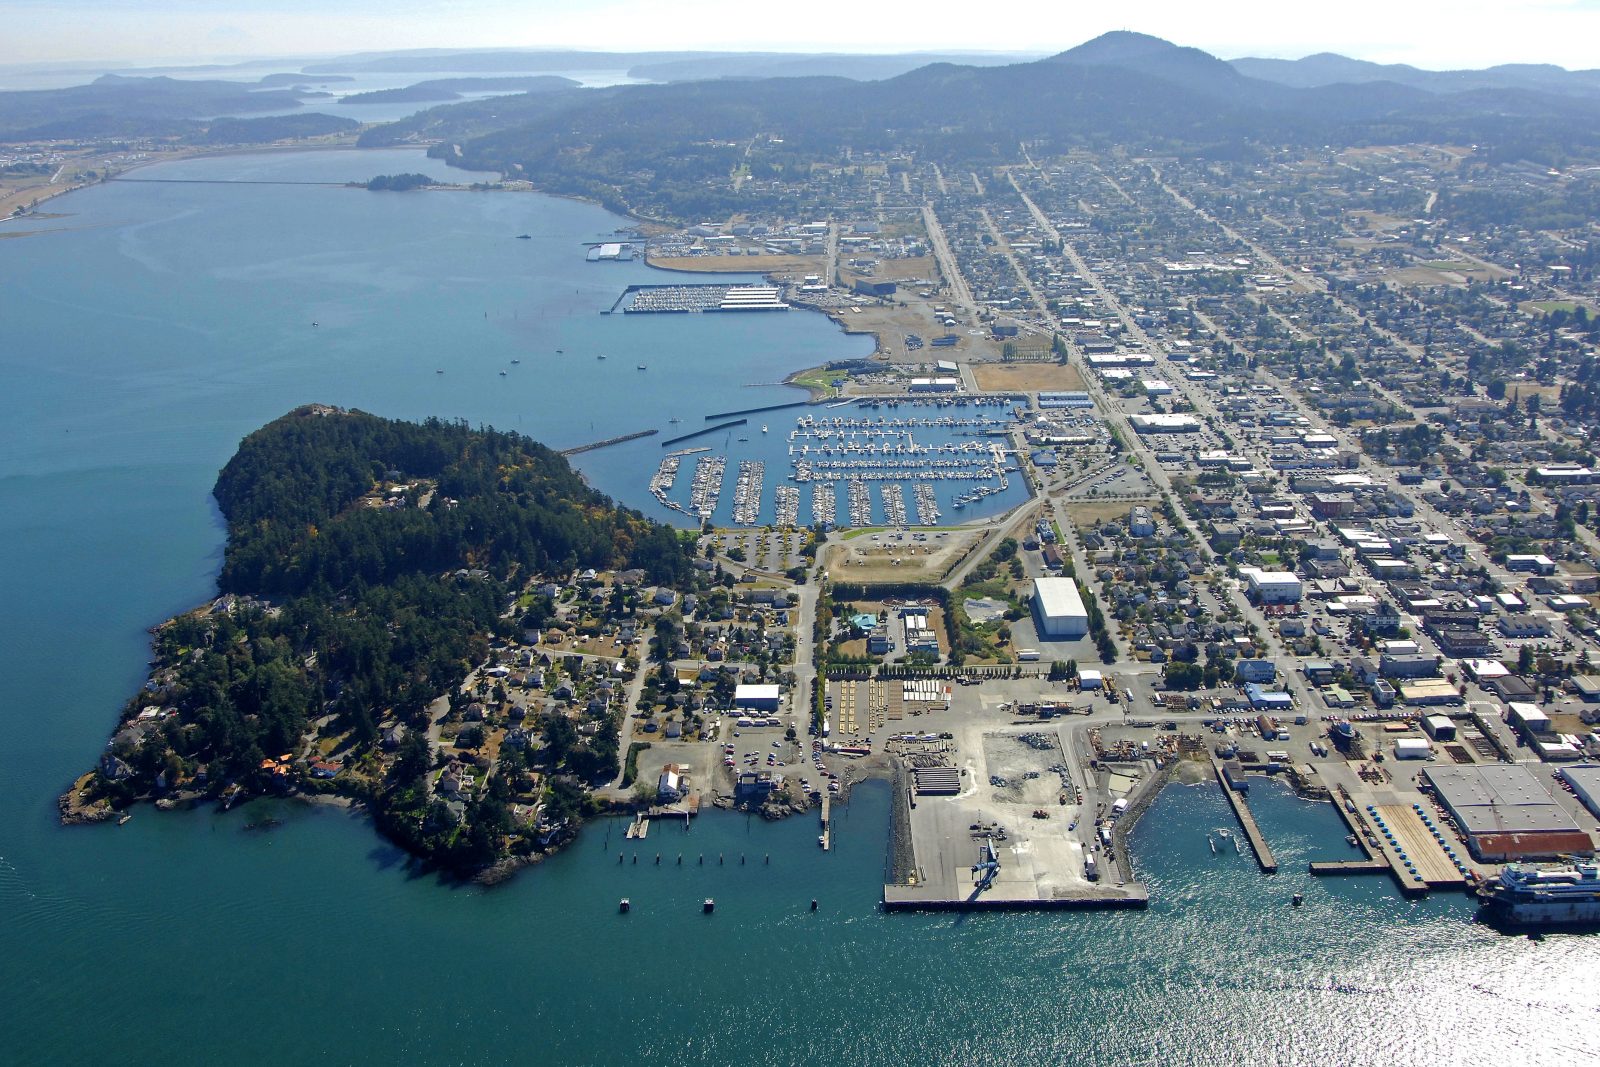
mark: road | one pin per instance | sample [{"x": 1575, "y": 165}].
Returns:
[{"x": 960, "y": 293}]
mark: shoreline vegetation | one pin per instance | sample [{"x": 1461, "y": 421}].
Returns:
[{"x": 377, "y": 575}]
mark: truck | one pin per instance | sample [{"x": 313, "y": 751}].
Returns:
[{"x": 1027, "y": 655}]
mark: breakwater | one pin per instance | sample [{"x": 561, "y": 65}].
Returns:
[
  {"x": 757, "y": 411},
  {"x": 692, "y": 434},
  {"x": 607, "y": 442}
]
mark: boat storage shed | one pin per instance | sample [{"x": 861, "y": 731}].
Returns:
[{"x": 1059, "y": 607}]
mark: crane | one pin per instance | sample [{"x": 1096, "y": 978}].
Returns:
[{"x": 987, "y": 867}]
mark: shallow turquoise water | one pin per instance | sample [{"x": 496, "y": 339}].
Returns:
[{"x": 138, "y": 346}]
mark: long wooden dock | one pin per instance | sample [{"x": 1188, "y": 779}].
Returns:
[{"x": 1252, "y": 832}]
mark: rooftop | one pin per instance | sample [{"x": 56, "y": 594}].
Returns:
[{"x": 1499, "y": 798}]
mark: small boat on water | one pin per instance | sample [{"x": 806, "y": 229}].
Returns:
[
  {"x": 502, "y": 374},
  {"x": 515, "y": 361},
  {"x": 642, "y": 366},
  {"x": 524, "y": 236},
  {"x": 674, "y": 419},
  {"x": 601, "y": 356},
  {"x": 1212, "y": 843},
  {"x": 440, "y": 371},
  {"x": 763, "y": 428}
]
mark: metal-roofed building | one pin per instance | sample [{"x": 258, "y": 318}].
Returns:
[{"x": 1506, "y": 813}]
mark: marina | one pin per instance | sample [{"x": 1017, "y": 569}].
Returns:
[
  {"x": 695, "y": 299},
  {"x": 917, "y": 463}
]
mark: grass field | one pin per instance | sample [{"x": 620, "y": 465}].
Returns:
[
  {"x": 1026, "y": 377},
  {"x": 1546, "y": 307}
]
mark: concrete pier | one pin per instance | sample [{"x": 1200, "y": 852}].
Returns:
[{"x": 1252, "y": 832}]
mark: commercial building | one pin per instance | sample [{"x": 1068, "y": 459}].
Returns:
[
  {"x": 1165, "y": 423},
  {"x": 1058, "y": 607},
  {"x": 1529, "y": 718},
  {"x": 1272, "y": 587},
  {"x": 1505, "y": 812},
  {"x": 757, "y": 697},
  {"x": 1429, "y": 692}
]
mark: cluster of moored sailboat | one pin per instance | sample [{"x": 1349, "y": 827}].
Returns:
[
  {"x": 747, "y": 492},
  {"x": 707, "y": 488},
  {"x": 824, "y": 502},
  {"x": 786, "y": 505},
  {"x": 894, "y": 503},
  {"x": 860, "y": 502}
]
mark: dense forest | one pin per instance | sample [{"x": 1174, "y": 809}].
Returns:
[{"x": 369, "y": 563}]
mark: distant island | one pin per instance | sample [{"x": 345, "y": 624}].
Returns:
[
  {"x": 444, "y": 89},
  {"x": 375, "y": 636},
  {"x": 399, "y": 183}
]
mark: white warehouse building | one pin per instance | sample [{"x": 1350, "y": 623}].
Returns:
[
  {"x": 1059, "y": 608},
  {"x": 1272, "y": 587}
]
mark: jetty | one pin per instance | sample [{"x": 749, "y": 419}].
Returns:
[
  {"x": 1252, "y": 832},
  {"x": 608, "y": 442},
  {"x": 691, "y": 435},
  {"x": 757, "y": 411}
]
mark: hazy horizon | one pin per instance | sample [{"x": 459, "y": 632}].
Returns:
[{"x": 1431, "y": 34}]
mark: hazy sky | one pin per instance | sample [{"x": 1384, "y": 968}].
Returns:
[{"x": 1428, "y": 33}]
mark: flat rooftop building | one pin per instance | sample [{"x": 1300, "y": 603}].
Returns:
[
  {"x": 1585, "y": 783},
  {"x": 761, "y": 697},
  {"x": 1272, "y": 587},
  {"x": 1059, "y": 607},
  {"x": 1505, "y": 812}
]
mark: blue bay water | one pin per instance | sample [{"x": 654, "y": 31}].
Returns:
[{"x": 165, "y": 322}]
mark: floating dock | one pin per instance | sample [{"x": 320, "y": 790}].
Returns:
[{"x": 1252, "y": 832}]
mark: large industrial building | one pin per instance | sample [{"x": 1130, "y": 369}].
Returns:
[
  {"x": 1058, "y": 607},
  {"x": 1506, "y": 813},
  {"x": 1585, "y": 783}
]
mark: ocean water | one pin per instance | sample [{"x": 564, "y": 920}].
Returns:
[{"x": 164, "y": 322}]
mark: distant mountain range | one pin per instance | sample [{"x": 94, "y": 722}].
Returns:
[
  {"x": 1327, "y": 68},
  {"x": 1120, "y": 88},
  {"x": 659, "y": 66}
]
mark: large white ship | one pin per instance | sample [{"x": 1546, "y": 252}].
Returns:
[{"x": 1533, "y": 897}]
